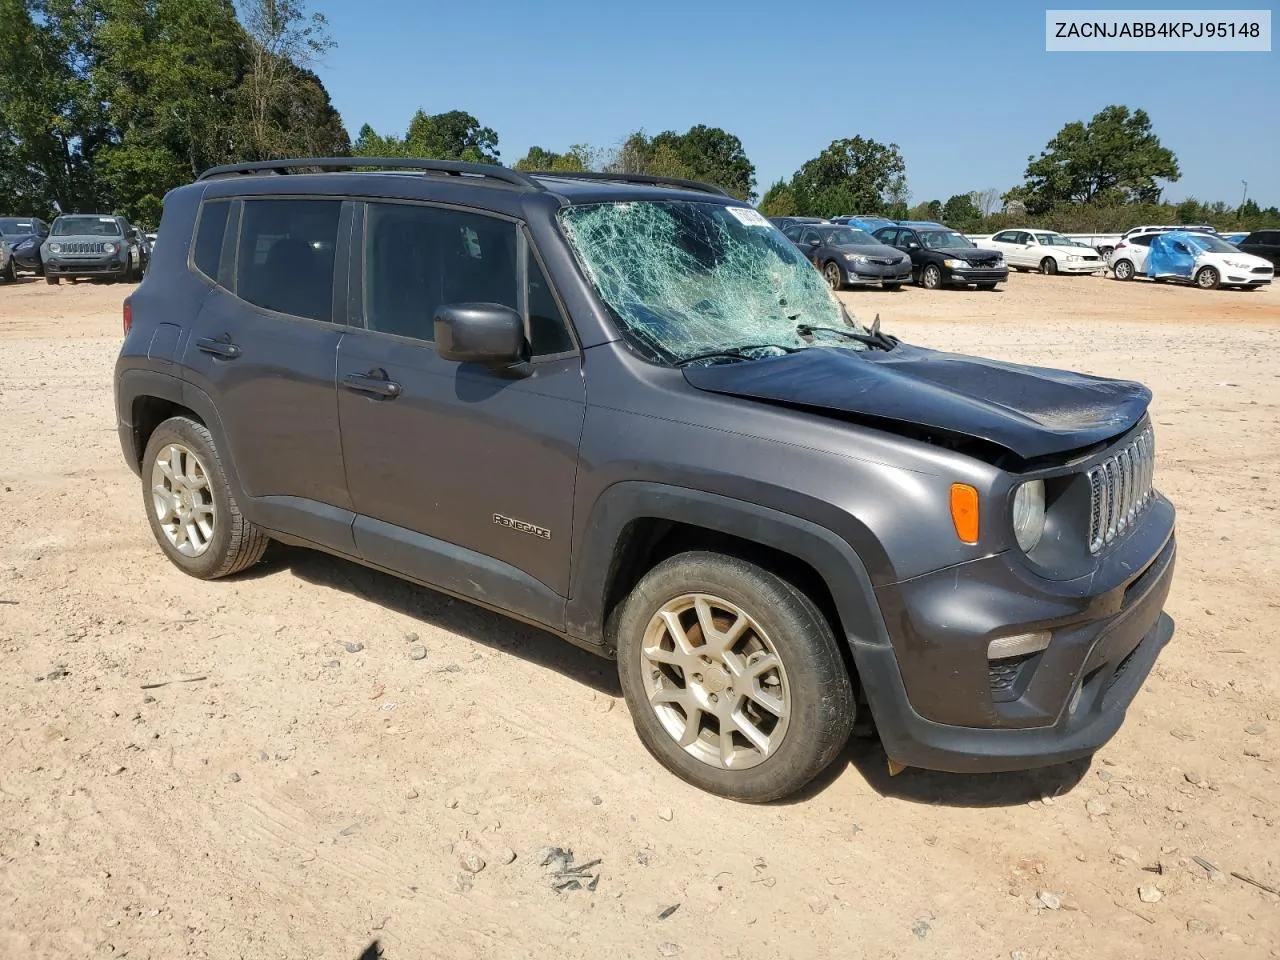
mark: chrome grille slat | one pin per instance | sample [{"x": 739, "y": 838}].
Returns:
[{"x": 1120, "y": 487}]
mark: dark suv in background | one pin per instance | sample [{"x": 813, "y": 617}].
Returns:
[{"x": 627, "y": 410}]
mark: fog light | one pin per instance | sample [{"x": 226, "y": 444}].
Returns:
[{"x": 1017, "y": 645}]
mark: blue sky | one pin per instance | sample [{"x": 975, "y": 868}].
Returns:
[{"x": 966, "y": 90}]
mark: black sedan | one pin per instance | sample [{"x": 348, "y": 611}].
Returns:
[
  {"x": 941, "y": 257},
  {"x": 849, "y": 255},
  {"x": 22, "y": 237}
]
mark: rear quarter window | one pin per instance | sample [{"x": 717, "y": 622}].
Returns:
[{"x": 210, "y": 230}]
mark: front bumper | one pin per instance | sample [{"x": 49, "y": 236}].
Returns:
[
  {"x": 104, "y": 267},
  {"x": 875, "y": 274},
  {"x": 938, "y": 703},
  {"x": 975, "y": 275},
  {"x": 1085, "y": 266}
]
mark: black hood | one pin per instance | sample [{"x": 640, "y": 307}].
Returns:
[
  {"x": 1031, "y": 411},
  {"x": 968, "y": 253}
]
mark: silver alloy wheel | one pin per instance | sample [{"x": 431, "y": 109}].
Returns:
[
  {"x": 1123, "y": 269},
  {"x": 183, "y": 500},
  {"x": 932, "y": 278},
  {"x": 715, "y": 681},
  {"x": 1207, "y": 278},
  {"x": 834, "y": 280}
]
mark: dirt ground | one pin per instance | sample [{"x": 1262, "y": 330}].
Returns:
[{"x": 300, "y": 800}]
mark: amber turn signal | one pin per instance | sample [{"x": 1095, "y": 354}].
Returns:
[{"x": 964, "y": 511}]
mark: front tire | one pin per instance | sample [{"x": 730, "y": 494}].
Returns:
[
  {"x": 52, "y": 281},
  {"x": 1049, "y": 266},
  {"x": 10, "y": 274},
  {"x": 834, "y": 275},
  {"x": 1123, "y": 269},
  {"x": 931, "y": 277},
  {"x": 190, "y": 506},
  {"x": 1208, "y": 278},
  {"x": 732, "y": 676}
]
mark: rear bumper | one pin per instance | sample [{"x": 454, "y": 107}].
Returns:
[{"x": 938, "y": 703}]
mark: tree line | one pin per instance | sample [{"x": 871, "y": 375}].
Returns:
[{"x": 105, "y": 105}]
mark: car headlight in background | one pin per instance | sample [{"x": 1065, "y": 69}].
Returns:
[
  {"x": 108, "y": 248},
  {"x": 856, "y": 258},
  {"x": 1072, "y": 258},
  {"x": 1238, "y": 264},
  {"x": 1028, "y": 514},
  {"x": 55, "y": 248},
  {"x": 955, "y": 264}
]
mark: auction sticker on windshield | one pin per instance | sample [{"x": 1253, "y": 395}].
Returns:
[{"x": 748, "y": 216}]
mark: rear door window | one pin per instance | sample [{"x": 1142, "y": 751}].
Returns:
[
  {"x": 888, "y": 235},
  {"x": 286, "y": 256}
]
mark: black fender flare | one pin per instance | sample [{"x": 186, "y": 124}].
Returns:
[{"x": 833, "y": 558}]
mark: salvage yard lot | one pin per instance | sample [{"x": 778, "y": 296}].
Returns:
[{"x": 302, "y": 800}]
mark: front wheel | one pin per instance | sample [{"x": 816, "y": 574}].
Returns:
[
  {"x": 732, "y": 676},
  {"x": 1123, "y": 269},
  {"x": 931, "y": 277},
  {"x": 10, "y": 274},
  {"x": 834, "y": 275},
  {"x": 1049, "y": 266},
  {"x": 1208, "y": 278},
  {"x": 189, "y": 503}
]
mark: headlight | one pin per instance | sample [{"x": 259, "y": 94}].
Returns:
[
  {"x": 55, "y": 248},
  {"x": 955, "y": 264},
  {"x": 26, "y": 244},
  {"x": 856, "y": 258},
  {"x": 1072, "y": 258},
  {"x": 108, "y": 248},
  {"x": 1238, "y": 264},
  {"x": 1028, "y": 514}
]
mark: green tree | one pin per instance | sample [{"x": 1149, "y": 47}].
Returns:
[
  {"x": 578, "y": 157},
  {"x": 856, "y": 175},
  {"x": 779, "y": 201},
  {"x": 959, "y": 212},
  {"x": 455, "y": 135},
  {"x": 702, "y": 153},
  {"x": 1114, "y": 158},
  {"x": 929, "y": 210}
]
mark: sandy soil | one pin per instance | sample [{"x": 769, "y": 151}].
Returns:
[{"x": 304, "y": 801}]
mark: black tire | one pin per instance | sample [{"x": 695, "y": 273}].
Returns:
[
  {"x": 834, "y": 275},
  {"x": 893, "y": 286},
  {"x": 10, "y": 274},
  {"x": 931, "y": 276},
  {"x": 986, "y": 286},
  {"x": 1123, "y": 269},
  {"x": 1049, "y": 266},
  {"x": 235, "y": 544},
  {"x": 820, "y": 699},
  {"x": 52, "y": 281},
  {"x": 1208, "y": 278}
]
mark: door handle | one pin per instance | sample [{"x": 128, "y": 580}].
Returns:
[
  {"x": 218, "y": 348},
  {"x": 372, "y": 383}
]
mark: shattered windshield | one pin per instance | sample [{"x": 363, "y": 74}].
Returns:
[{"x": 690, "y": 278}]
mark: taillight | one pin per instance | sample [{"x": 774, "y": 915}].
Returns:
[
  {"x": 128, "y": 316},
  {"x": 1121, "y": 245}
]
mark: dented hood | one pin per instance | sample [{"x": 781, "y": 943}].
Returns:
[{"x": 1031, "y": 411}]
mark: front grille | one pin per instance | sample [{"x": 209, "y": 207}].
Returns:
[
  {"x": 1120, "y": 487},
  {"x": 83, "y": 247},
  {"x": 884, "y": 261},
  {"x": 1260, "y": 270},
  {"x": 1090, "y": 258}
]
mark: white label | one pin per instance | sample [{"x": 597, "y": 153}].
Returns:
[
  {"x": 749, "y": 216},
  {"x": 106, "y": 219}
]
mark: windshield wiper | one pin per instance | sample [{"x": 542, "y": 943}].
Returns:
[
  {"x": 881, "y": 341},
  {"x": 734, "y": 353}
]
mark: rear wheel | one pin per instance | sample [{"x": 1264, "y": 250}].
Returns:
[
  {"x": 1208, "y": 278},
  {"x": 1123, "y": 269},
  {"x": 732, "y": 676},
  {"x": 834, "y": 275},
  {"x": 189, "y": 503},
  {"x": 1048, "y": 266},
  {"x": 931, "y": 276}
]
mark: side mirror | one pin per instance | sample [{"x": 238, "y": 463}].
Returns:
[{"x": 487, "y": 333}]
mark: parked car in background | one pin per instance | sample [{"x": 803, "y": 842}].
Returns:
[
  {"x": 942, "y": 257},
  {"x": 846, "y": 255},
  {"x": 1204, "y": 259},
  {"x": 1235, "y": 238},
  {"x": 91, "y": 245},
  {"x": 1166, "y": 227},
  {"x": 1044, "y": 250},
  {"x": 1262, "y": 243},
  {"x": 869, "y": 223},
  {"x": 1103, "y": 243},
  {"x": 783, "y": 222},
  {"x": 140, "y": 251},
  {"x": 21, "y": 237}
]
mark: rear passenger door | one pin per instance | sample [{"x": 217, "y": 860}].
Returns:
[
  {"x": 264, "y": 346},
  {"x": 462, "y": 476}
]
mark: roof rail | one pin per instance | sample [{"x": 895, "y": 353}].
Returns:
[
  {"x": 641, "y": 178},
  {"x": 451, "y": 167}
]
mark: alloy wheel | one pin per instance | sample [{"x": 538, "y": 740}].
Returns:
[
  {"x": 715, "y": 681},
  {"x": 183, "y": 500},
  {"x": 832, "y": 273}
]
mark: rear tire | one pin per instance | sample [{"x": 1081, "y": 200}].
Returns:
[
  {"x": 1123, "y": 269},
  {"x": 1049, "y": 266},
  {"x": 190, "y": 506},
  {"x": 768, "y": 640},
  {"x": 1208, "y": 278},
  {"x": 931, "y": 276}
]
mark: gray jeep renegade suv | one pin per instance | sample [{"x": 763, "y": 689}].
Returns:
[{"x": 627, "y": 410}]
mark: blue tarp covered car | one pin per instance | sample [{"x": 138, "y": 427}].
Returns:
[{"x": 1173, "y": 255}]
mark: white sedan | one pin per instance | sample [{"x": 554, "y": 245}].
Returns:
[{"x": 1045, "y": 251}]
